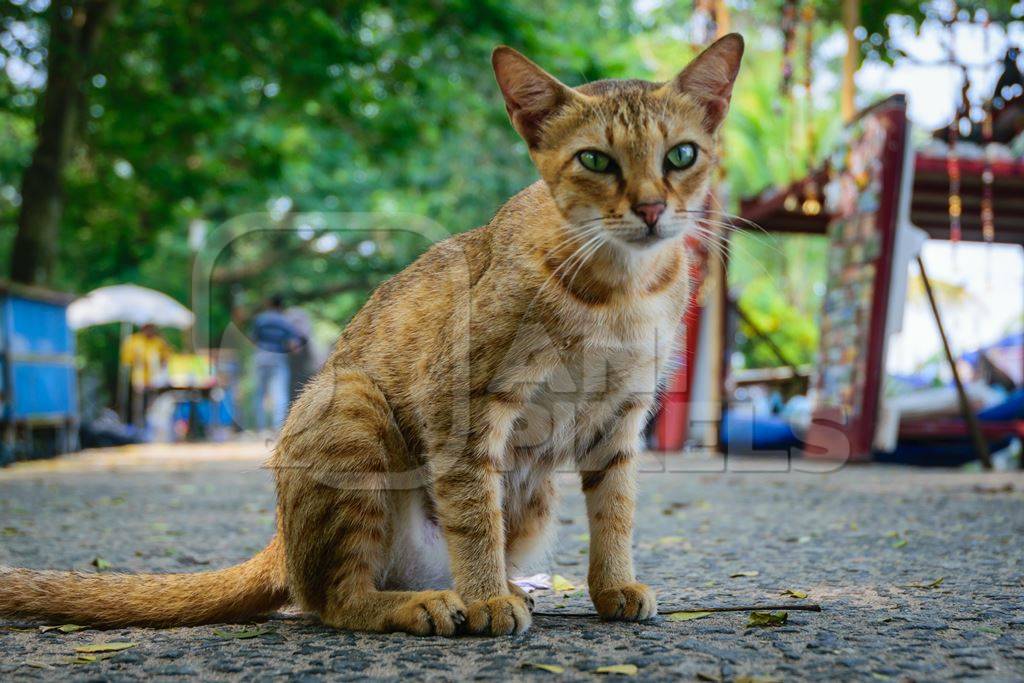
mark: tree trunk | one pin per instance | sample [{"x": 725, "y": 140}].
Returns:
[{"x": 74, "y": 29}]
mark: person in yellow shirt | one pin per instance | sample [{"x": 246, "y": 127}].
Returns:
[{"x": 145, "y": 353}]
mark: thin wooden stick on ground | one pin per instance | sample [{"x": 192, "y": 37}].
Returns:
[{"x": 805, "y": 607}]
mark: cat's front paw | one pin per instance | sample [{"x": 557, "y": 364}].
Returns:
[
  {"x": 431, "y": 613},
  {"x": 505, "y": 615},
  {"x": 629, "y": 602},
  {"x": 522, "y": 595}
]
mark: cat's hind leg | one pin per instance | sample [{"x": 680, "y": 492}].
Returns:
[{"x": 336, "y": 466}]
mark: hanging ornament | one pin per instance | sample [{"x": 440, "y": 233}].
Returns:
[
  {"x": 988, "y": 224},
  {"x": 953, "y": 158},
  {"x": 953, "y": 169},
  {"x": 988, "y": 227},
  {"x": 788, "y": 26},
  {"x": 812, "y": 203}
]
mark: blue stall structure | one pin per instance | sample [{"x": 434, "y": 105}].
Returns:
[{"x": 38, "y": 379}]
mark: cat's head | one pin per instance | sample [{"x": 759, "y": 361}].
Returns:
[{"x": 630, "y": 160}]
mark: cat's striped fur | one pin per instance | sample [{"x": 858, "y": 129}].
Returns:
[{"x": 415, "y": 472}]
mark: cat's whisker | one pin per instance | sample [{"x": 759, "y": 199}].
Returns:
[
  {"x": 583, "y": 235},
  {"x": 579, "y": 255},
  {"x": 586, "y": 236},
  {"x": 721, "y": 251},
  {"x": 732, "y": 222},
  {"x": 747, "y": 227},
  {"x": 567, "y": 263},
  {"x": 765, "y": 239},
  {"x": 586, "y": 257},
  {"x": 575, "y": 236},
  {"x": 730, "y": 228},
  {"x": 746, "y": 221}
]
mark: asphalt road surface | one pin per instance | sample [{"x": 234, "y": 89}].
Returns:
[{"x": 919, "y": 576}]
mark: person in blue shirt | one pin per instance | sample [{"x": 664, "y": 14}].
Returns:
[{"x": 275, "y": 337}]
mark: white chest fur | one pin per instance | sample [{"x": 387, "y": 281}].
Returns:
[{"x": 575, "y": 377}]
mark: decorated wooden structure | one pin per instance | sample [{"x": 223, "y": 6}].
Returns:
[{"x": 889, "y": 198}]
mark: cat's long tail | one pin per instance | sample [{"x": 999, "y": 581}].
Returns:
[{"x": 236, "y": 593}]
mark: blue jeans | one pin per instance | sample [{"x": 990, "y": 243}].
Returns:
[{"x": 272, "y": 378}]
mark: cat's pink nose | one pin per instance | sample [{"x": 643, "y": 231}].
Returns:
[{"x": 649, "y": 212}]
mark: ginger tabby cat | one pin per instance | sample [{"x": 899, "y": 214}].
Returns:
[{"x": 416, "y": 471}]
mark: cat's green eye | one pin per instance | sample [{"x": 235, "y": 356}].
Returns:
[
  {"x": 595, "y": 161},
  {"x": 682, "y": 156}
]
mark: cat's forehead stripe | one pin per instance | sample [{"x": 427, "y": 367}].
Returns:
[
  {"x": 618, "y": 87},
  {"x": 626, "y": 115}
]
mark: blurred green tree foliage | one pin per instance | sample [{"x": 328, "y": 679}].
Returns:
[
  {"x": 192, "y": 112},
  {"x": 200, "y": 111},
  {"x": 779, "y": 282}
]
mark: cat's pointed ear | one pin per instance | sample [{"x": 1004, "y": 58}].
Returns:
[
  {"x": 531, "y": 93},
  {"x": 711, "y": 75}
]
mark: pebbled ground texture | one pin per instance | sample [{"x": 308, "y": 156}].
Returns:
[{"x": 868, "y": 543}]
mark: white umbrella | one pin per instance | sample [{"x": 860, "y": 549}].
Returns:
[{"x": 128, "y": 304}]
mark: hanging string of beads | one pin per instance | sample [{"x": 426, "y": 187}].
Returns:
[
  {"x": 953, "y": 169},
  {"x": 988, "y": 227},
  {"x": 812, "y": 203},
  {"x": 952, "y": 157},
  {"x": 788, "y": 24}
]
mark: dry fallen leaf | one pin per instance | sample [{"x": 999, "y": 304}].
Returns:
[
  {"x": 758, "y": 679},
  {"x": 748, "y": 574},
  {"x": 687, "y": 616},
  {"x": 560, "y": 583},
  {"x": 621, "y": 669},
  {"x": 63, "y": 628},
  {"x": 100, "y": 563},
  {"x": 550, "y": 668},
  {"x": 670, "y": 540},
  {"x": 900, "y": 543},
  {"x": 243, "y": 634},
  {"x": 90, "y": 659},
  {"x": 104, "y": 647},
  {"x": 767, "y": 619},
  {"x": 799, "y": 595}
]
